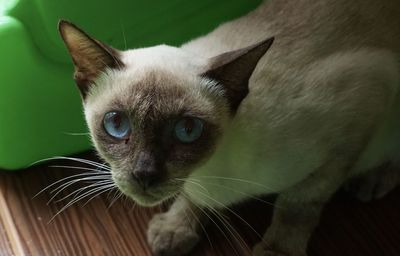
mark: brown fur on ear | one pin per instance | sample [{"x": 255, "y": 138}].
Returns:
[
  {"x": 89, "y": 55},
  {"x": 234, "y": 69}
]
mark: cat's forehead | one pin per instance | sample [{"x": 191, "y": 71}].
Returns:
[
  {"x": 158, "y": 92},
  {"x": 154, "y": 81},
  {"x": 160, "y": 68},
  {"x": 167, "y": 57}
]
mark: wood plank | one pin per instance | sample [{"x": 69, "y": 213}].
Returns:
[
  {"x": 347, "y": 227},
  {"x": 10, "y": 243},
  {"x": 78, "y": 231}
]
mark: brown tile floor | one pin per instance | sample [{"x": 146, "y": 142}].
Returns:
[{"x": 348, "y": 227}]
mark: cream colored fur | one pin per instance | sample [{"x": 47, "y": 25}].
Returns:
[{"x": 323, "y": 107}]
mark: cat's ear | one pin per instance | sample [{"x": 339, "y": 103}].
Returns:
[
  {"x": 234, "y": 69},
  {"x": 90, "y": 56}
]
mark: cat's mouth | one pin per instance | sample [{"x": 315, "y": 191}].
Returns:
[
  {"x": 144, "y": 198},
  {"x": 148, "y": 197}
]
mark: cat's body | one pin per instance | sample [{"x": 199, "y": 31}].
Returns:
[
  {"x": 307, "y": 29},
  {"x": 270, "y": 141},
  {"x": 322, "y": 106}
]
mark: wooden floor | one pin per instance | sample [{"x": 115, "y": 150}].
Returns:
[{"x": 348, "y": 227}]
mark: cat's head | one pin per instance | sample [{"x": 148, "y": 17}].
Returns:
[{"x": 157, "y": 113}]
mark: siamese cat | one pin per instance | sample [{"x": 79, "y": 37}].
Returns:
[{"x": 296, "y": 98}]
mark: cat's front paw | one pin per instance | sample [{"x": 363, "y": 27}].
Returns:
[
  {"x": 261, "y": 250},
  {"x": 170, "y": 236},
  {"x": 374, "y": 184}
]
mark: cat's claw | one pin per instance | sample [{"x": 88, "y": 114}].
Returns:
[{"x": 168, "y": 236}]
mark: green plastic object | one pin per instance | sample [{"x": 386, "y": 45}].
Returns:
[{"x": 40, "y": 108}]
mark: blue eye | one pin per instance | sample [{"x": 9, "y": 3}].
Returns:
[
  {"x": 188, "y": 130},
  {"x": 117, "y": 124}
]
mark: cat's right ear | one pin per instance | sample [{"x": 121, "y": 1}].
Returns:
[
  {"x": 233, "y": 70},
  {"x": 90, "y": 56}
]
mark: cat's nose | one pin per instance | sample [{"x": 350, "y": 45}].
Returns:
[
  {"x": 145, "y": 172},
  {"x": 143, "y": 178}
]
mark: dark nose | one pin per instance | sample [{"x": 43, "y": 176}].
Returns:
[{"x": 145, "y": 172}]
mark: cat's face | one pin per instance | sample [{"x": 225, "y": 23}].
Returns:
[
  {"x": 153, "y": 127},
  {"x": 155, "y": 114}
]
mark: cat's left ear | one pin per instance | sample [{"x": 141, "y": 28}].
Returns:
[
  {"x": 234, "y": 69},
  {"x": 90, "y": 56}
]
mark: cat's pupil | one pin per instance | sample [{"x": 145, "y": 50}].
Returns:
[
  {"x": 116, "y": 124},
  {"x": 188, "y": 129},
  {"x": 189, "y": 126},
  {"x": 117, "y": 120}
]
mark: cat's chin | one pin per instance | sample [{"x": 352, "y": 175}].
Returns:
[
  {"x": 146, "y": 199},
  {"x": 151, "y": 196}
]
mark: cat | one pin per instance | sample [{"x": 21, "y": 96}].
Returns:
[{"x": 297, "y": 98}]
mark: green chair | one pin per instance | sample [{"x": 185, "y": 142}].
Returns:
[{"x": 40, "y": 109}]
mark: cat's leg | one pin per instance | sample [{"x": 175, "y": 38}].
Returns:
[
  {"x": 375, "y": 183},
  {"x": 176, "y": 231},
  {"x": 356, "y": 89},
  {"x": 297, "y": 211}
]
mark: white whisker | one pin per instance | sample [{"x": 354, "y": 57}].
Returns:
[
  {"x": 240, "y": 192},
  {"x": 85, "y": 161},
  {"x": 134, "y": 204},
  {"x": 71, "y": 182},
  {"x": 95, "y": 190},
  {"x": 80, "y": 168},
  {"x": 198, "y": 221},
  {"x": 117, "y": 196},
  {"x": 64, "y": 179},
  {"x": 234, "y": 213},
  {"x": 76, "y": 192},
  {"x": 123, "y": 34},
  {"x": 215, "y": 223},
  {"x": 77, "y": 133},
  {"x": 238, "y": 180},
  {"x": 226, "y": 224},
  {"x": 193, "y": 182},
  {"x": 91, "y": 198}
]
